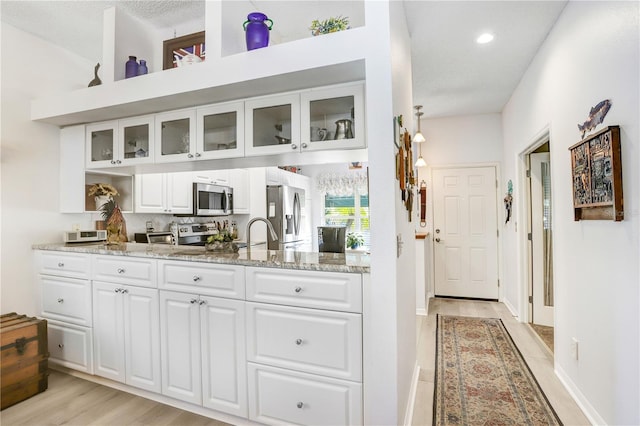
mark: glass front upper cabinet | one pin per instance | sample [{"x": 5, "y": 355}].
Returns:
[
  {"x": 220, "y": 131},
  {"x": 135, "y": 140},
  {"x": 272, "y": 125},
  {"x": 175, "y": 136},
  {"x": 101, "y": 144},
  {"x": 333, "y": 118}
]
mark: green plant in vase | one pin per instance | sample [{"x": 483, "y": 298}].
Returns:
[
  {"x": 330, "y": 25},
  {"x": 354, "y": 240}
]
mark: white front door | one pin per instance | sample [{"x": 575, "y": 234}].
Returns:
[
  {"x": 465, "y": 232},
  {"x": 541, "y": 240}
]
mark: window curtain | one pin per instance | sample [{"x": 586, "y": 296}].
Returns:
[{"x": 342, "y": 184}]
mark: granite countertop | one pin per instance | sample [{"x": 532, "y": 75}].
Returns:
[{"x": 286, "y": 259}]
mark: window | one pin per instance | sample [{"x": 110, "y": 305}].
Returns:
[{"x": 351, "y": 211}]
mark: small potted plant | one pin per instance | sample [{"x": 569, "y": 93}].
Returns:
[
  {"x": 330, "y": 25},
  {"x": 222, "y": 241},
  {"x": 102, "y": 192},
  {"x": 354, "y": 240}
]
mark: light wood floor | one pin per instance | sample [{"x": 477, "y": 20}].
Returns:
[{"x": 536, "y": 354}]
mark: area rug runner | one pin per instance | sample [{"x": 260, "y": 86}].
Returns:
[{"x": 482, "y": 379}]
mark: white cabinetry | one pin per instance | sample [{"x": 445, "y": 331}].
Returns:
[
  {"x": 220, "y": 131},
  {"x": 239, "y": 181},
  {"x": 120, "y": 142},
  {"x": 272, "y": 125},
  {"x": 304, "y": 346},
  {"x": 164, "y": 193},
  {"x": 127, "y": 334},
  {"x": 66, "y": 304},
  {"x": 215, "y": 177},
  {"x": 175, "y": 136},
  {"x": 203, "y": 346}
]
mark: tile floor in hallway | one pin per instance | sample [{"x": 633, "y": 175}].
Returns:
[{"x": 538, "y": 357}]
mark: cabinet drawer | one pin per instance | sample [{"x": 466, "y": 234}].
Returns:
[
  {"x": 313, "y": 289},
  {"x": 70, "y": 346},
  {"x": 279, "y": 396},
  {"x": 125, "y": 270},
  {"x": 202, "y": 278},
  {"x": 66, "y": 299},
  {"x": 74, "y": 265},
  {"x": 309, "y": 340}
]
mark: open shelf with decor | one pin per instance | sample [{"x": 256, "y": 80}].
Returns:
[{"x": 122, "y": 183}]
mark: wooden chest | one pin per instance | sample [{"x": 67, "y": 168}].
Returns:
[{"x": 24, "y": 359}]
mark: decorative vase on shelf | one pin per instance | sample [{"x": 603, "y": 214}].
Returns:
[
  {"x": 101, "y": 200},
  {"x": 131, "y": 67},
  {"x": 142, "y": 68},
  {"x": 257, "y": 30}
]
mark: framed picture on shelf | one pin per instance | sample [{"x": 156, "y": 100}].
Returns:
[
  {"x": 185, "y": 50},
  {"x": 596, "y": 171}
]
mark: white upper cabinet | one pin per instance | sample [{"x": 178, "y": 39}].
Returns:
[
  {"x": 175, "y": 136},
  {"x": 272, "y": 125},
  {"x": 164, "y": 193},
  {"x": 332, "y": 118},
  {"x": 220, "y": 131},
  {"x": 119, "y": 143}
]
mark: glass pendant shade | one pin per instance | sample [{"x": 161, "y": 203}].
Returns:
[
  {"x": 420, "y": 162},
  {"x": 418, "y": 137}
]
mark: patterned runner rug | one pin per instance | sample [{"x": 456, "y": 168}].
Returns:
[{"x": 482, "y": 379}]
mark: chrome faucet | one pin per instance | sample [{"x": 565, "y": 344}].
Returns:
[{"x": 274, "y": 236}]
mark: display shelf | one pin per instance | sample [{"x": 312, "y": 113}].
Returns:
[{"x": 123, "y": 183}]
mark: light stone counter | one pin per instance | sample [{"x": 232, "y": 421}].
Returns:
[{"x": 310, "y": 261}]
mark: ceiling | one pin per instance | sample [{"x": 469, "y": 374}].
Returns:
[{"x": 452, "y": 74}]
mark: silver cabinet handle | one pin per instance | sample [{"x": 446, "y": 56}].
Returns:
[
  {"x": 113, "y": 162},
  {"x": 60, "y": 345},
  {"x": 304, "y": 145},
  {"x": 60, "y": 265},
  {"x": 61, "y": 300},
  {"x": 298, "y": 342},
  {"x": 299, "y": 405},
  {"x": 117, "y": 290},
  {"x": 193, "y": 301},
  {"x": 196, "y": 278},
  {"x": 198, "y": 154},
  {"x": 298, "y": 289},
  {"x": 189, "y": 155},
  {"x": 124, "y": 291},
  {"x": 294, "y": 146},
  {"x": 119, "y": 162},
  {"x": 202, "y": 302},
  {"x": 121, "y": 270}
]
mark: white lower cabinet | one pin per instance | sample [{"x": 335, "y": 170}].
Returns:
[
  {"x": 203, "y": 351},
  {"x": 127, "y": 334},
  {"x": 278, "y": 396},
  {"x": 70, "y": 346}
]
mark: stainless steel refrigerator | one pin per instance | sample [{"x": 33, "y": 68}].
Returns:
[{"x": 285, "y": 211}]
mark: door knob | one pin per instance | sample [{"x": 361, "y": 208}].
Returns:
[
  {"x": 437, "y": 240},
  {"x": 437, "y": 231}
]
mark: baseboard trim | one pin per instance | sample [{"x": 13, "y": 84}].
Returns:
[
  {"x": 513, "y": 310},
  {"x": 584, "y": 404},
  {"x": 408, "y": 414}
]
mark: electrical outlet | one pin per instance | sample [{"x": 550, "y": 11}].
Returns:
[{"x": 574, "y": 348}]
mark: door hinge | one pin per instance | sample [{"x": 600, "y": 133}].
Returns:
[
  {"x": 530, "y": 236},
  {"x": 528, "y": 173},
  {"x": 496, "y": 183},
  {"x": 530, "y": 299},
  {"x": 498, "y": 283},
  {"x": 498, "y": 233}
]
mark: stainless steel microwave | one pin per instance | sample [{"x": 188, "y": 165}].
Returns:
[{"x": 212, "y": 200}]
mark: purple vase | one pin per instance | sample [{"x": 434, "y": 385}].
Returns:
[
  {"x": 131, "y": 67},
  {"x": 142, "y": 68},
  {"x": 257, "y": 30}
]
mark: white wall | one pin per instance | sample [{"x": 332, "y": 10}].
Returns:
[
  {"x": 30, "y": 158},
  {"x": 591, "y": 54}
]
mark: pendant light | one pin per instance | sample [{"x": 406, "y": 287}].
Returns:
[{"x": 419, "y": 138}]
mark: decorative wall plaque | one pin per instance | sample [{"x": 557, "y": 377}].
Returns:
[{"x": 596, "y": 170}]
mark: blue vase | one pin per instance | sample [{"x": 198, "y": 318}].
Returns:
[
  {"x": 131, "y": 67},
  {"x": 142, "y": 68},
  {"x": 257, "y": 30}
]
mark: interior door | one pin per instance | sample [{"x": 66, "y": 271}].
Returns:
[
  {"x": 465, "y": 232},
  {"x": 542, "y": 273}
]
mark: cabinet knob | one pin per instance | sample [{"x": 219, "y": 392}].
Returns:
[
  {"x": 294, "y": 146},
  {"x": 193, "y": 301},
  {"x": 61, "y": 300},
  {"x": 118, "y": 162},
  {"x": 202, "y": 302},
  {"x": 304, "y": 145},
  {"x": 60, "y": 345},
  {"x": 298, "y": 289},
  {"x": 121, "y": 271},
  {"x": 60, "y": 265},
  {"x": 298, "y": 342},
  {"x": 299, "y": 405},
  {"x": 117, "y": 290},
  {"x": 113, "y": 162},
  {"x": 198, "y": 154},
  {"x": 189, "y": 155},
  {"x": 124, "y": 290},
  {"x": 196, "y": 278}
]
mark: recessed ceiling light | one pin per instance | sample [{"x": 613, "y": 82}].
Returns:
[{"x": 484, "y": 38}]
